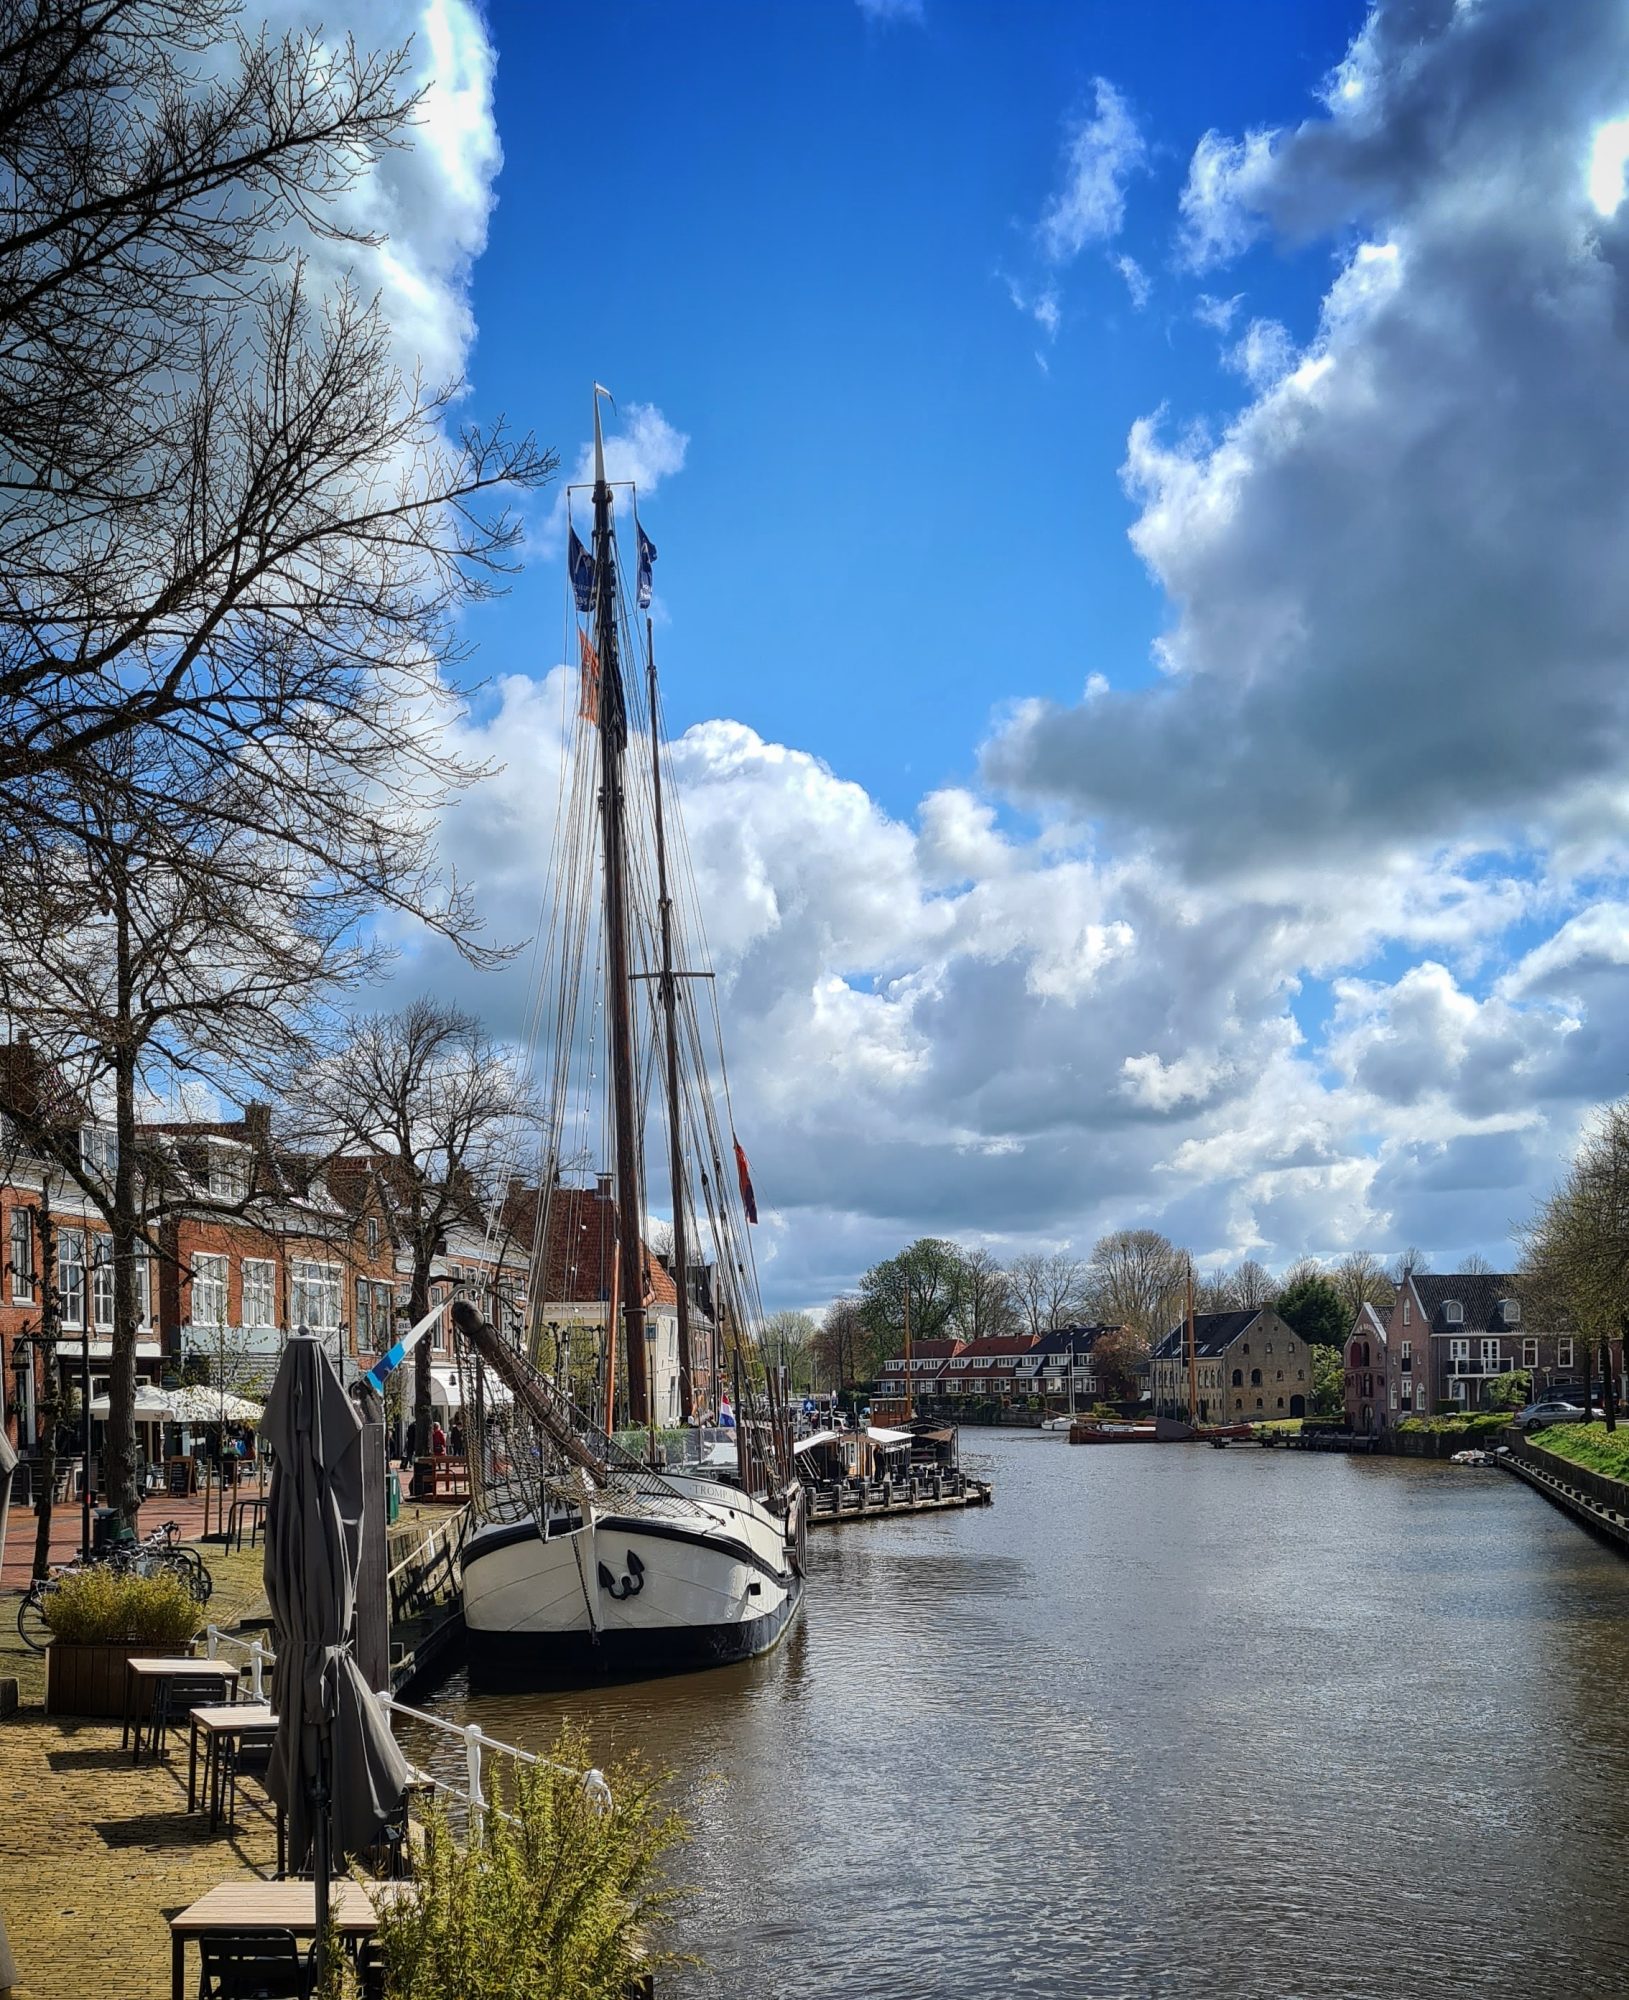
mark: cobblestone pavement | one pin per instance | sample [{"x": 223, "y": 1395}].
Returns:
[{"x": 94, "y": 1851}]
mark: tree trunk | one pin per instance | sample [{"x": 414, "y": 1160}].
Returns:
[
  {"x": 421, "y": 1357},
  {"x": 1609, "y": 1388},
  {"x": 1589, "y": 1376},
  {"x": 50, "y": 1404}
]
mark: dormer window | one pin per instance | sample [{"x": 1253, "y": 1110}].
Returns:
[
  {"x": 1453, "y": 1312},
  {"x": 98, "y": 1151},
  {"x": 1510, "y": 1312},
  {"x": 228, "y": 1179}
]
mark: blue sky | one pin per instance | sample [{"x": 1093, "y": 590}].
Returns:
[
  {"x": 1140, "y": 493},
  {"x": 793, "y": 239}
]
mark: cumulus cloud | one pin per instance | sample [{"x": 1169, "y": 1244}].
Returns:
[
  {"x": 1398, "y": 600},
  {"x": 1103, "y": 148}
]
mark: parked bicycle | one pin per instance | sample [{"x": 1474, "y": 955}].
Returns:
[{"x": 161, "y": 1553}]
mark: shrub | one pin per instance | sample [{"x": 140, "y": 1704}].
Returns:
[
  {"x": 104, "y": 1607},
  {"x": 552, "y": 1903}
]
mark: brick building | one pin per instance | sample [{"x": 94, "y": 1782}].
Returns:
[
  {"x": 1252, "y": 1367},
  {"x": 1450, "y": 1335}
]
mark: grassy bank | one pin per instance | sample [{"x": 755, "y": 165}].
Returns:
[
  {"x": 1590, "y": 1446},
  {"x": 1479, "y": 1427}
]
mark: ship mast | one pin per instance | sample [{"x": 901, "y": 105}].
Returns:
[
  {"x": 1193, "y": 1355},
  {"x": 613, "y": 728},
  {"x": 668, "y": 988}
]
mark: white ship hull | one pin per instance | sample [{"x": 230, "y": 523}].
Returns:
[{"x": 625, "y": 1594}]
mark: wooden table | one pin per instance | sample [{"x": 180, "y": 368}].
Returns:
[
  {"x": 215, "y": 1725},
  {"x": 253, "y": 1905},
  {"x": 151, "y": 1672}
]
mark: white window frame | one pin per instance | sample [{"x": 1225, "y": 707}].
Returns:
[
  {"x": 315, "y": 1297},
  {"x": 20, "y": 1255},
  {"x": 1453, "y": 1313},
  {"x": 1511, "y": 1311},
  {"x": 1405, "y": 1312},
  {"x": 259, "y": 1277},
  {"x": 209, "y": 1300},
  {"x": 1529, "y": 1351},
  {"x": 1563, "y": 1353},
  {"x": 1491, "y": 1359},
  {"x": 71, "y": 1276},
  {"x": 101, "y": 1278},
  {"x": 1407, "y": 1350}
]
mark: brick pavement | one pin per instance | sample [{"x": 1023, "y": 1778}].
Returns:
[{"x": 94, "y": 1851}]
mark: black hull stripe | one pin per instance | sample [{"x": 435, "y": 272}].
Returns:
[
  {"x": 485, "y": 1542},
  {"x": 526, "y": 1660}
]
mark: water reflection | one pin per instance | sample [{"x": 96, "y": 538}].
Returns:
[{"x": 1160, "y": 1721}]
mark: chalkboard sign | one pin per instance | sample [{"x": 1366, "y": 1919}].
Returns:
[{"x": 178, "y": 1478}]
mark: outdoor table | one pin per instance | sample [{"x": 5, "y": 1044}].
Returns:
[
  {"x": 253, "y": 1905},
  {"x": 148, "y": 1673},
  {"x": 215, "y": 1725}
]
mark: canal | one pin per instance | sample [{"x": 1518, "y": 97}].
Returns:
[{"x": 1162, "y": 1721}]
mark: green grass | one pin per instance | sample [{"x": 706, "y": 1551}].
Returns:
[
  {"x": 1478, "y": 1424},
  {"x": 1282, "y": 1427},
  {"x": 1588, "y": 1445}
]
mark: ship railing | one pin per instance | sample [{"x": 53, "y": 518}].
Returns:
[{"x": 468, "y": 1793}]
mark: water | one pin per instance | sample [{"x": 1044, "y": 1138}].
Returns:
[{"x": 1161, "y": 1721}]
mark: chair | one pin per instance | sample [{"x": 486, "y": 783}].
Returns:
[
  {"x": 173, "y": 1701},
  {"x": 254, "y": 1965},
  {"x": 245, "y": 1756}
]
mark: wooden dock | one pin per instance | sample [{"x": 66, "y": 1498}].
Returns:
[{"x": 866, "y": 1500}]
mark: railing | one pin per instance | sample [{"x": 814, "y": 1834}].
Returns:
[
  {"x": 477, "y": 1745},
  {"x": 428, "y": 1571}
]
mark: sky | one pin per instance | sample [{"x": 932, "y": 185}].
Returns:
[{"x": 1140, "y": 495}]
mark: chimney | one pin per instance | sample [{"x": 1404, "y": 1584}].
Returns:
[{"x": 257, "y": 1125}]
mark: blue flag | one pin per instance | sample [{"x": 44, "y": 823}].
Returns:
[
  {"x": 582, "y": 574},
  {"x": 647, "y": 555}
]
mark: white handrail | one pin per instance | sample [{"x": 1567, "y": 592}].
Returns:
[{"x": 477, "y": 1744}]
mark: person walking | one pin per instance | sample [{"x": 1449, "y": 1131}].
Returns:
[{"x": 438, "y": 1440}]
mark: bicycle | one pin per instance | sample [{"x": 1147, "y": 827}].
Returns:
[{"x": 159, "y": 1554}]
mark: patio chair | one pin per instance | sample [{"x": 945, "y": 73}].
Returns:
[
  {"x": 174, "y": 1699},
  {"x": 254, "y": 1965},
  {"x": 245, "y": 1756}
]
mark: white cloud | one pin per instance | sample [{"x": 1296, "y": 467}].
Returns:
[
  {"x": 1042, "y": 306},
  {"x": 1103, "y": 148},
  {"x": 1217, "y": 203},
  {"x": 1217, "y": 314},
  {"x": 887, "y": 12},
  {"x": 1264, "y": 355},
  {"x": 1138, "y": 282}
]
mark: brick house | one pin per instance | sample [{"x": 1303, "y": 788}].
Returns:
[
  {"x": 1061, "y": 1366},
  {"x": 931, "y": 1364},
  {"x": 1363, "y": 1370},
  {"x": 1450, "y": 1335},
  {"x": 1252, "y": 1367}
]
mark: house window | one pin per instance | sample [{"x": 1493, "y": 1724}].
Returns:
[
  {"x": 1255, "y": 1378},
  {"x": 1563, "y": 1354},
  {"x": 1453, "y": 1312},
  {"x": 1510, "y": 1311},
  {"x": 314, "y": 1296},
  {"x": 1529, "y": 1353},
  {"x": 228, "y": 1178},
  {"x": 22, "y": 1256},
  {"x": 71, "y": 1275},
  {"x": 1405, "y": 1312},
  {"x": 1394, "y": 1395},
  {"x": 259, "y": 1292},
  {"x": 1238, "y": 1378},
  {"x": 1490, "y": 1357},
  {"x": 98, "y": 1152},
  {"x": 373, "y": 1233},
  {"x": 208, "y": 1290},
  {"x": 102, "y": 1283},
  {"x": 144, "y": 1288},
  {"x": 1408, "y": 1352}
]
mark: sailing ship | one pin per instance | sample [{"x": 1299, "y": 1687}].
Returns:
[{"x": 622, "y": 1543}]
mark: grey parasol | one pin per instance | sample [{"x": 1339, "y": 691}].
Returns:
[{"x": 335, "y": 1767}]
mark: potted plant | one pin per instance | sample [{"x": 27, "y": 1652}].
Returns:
[{"x": 99, "y": 1618}]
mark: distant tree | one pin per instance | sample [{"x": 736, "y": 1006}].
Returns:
[
  {"x": 1328, "y": 1382},
  {"x": 1116, "y": 1357},
  {"x": 1253, "y": 1286},
  {"x": 1575, "y": 1250},
  {"x": 433, "y": 1110},
  {"x": 930, "y": 1274},
  {"x": 1297, "y": 1273},
  {"x": 1215, "y": 1293},
  {"x": 1361, "y": 1281},
  {"x": 788, "y": 1342},
  {"x": 1474, "y": 1264},
  {"x": 844, "y": 1347},
  {"x": 1409, "y": 1263},
  {"x": 1137, "y": 1280},
  {"x": 1312, "y": 1307},
  {"x": 1048, "y": 1289},
  {"x": 987, "y": 1304}
]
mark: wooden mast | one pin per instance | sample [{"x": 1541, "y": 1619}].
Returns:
[
  {"x": 1193, "y": 1355},
  {"x": 613, "y": 728},
  {"x": 668, "y": 988}
]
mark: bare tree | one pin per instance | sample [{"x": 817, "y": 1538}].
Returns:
[
  {"x": 1049, "y": 1289},
  {"x": 788, "y": 1342},
  {"x": 844, "y": 1346},
  {"x": 1407, "y": 1264},
  {"x": 1138, "y": 1280},
  {"x": 1474, "y": 1264},
  {"x": 1254, "y": 1286},
  {"x": 987, "y": 1304},
  {"x": 1361, "y": 1281},
  {"x": 424, "y": 1102}
]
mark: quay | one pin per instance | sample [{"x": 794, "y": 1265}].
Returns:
[{"x": 865, "y": 1499}]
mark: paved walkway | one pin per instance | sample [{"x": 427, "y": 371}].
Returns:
[{"x": 95, "y": 1851}]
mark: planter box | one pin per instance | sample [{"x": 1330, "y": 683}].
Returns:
[{"x": 89, "y": 1679}]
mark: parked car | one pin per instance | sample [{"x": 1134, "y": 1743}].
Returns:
[{"x": 1553, "y": 1411}]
